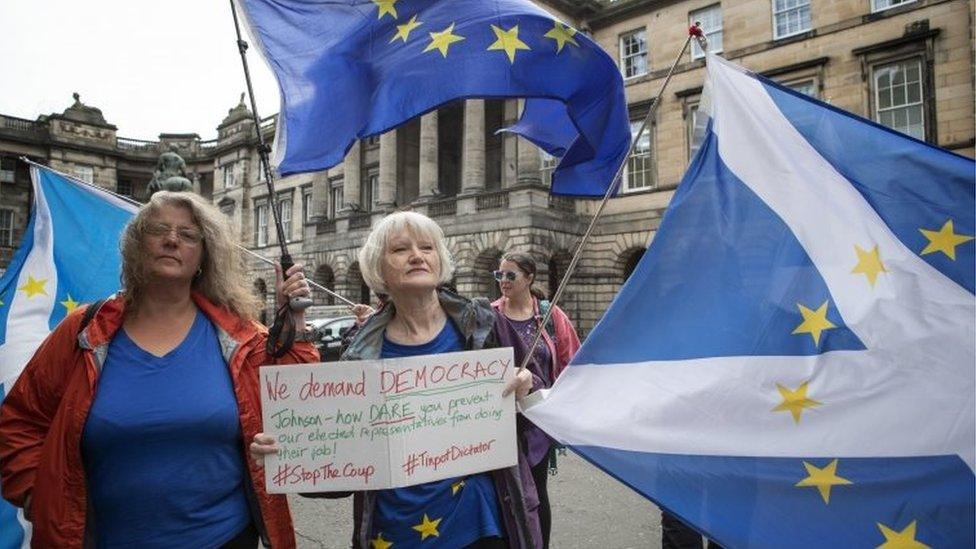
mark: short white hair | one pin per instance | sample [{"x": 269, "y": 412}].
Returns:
[{"x": 372, "y": 253}]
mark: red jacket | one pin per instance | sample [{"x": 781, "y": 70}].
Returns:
[
  {"x": 43, "y": 416},
  {"x": 564, "y": 344}
]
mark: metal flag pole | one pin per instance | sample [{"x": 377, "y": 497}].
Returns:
[
  {"x": 281, "y": 334},
  {"x": 136, "y": 203},
  {"x": 693, "y": 32}
]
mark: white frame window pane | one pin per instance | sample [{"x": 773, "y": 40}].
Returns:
[
  {"x": 806, "y": 87},
  {"x": 692, "y": 122},
  {"x": 6, "y": 227},
  {"x": 547, "y": 165},
  {"x": 881, "y": 5},
  {"x": 307, "y": 205},
  {"x": 335, "y": 200},
  {"x": 8, "y": 169},
  {"x": 899, "y": 97},
  {"x": 284, "y": 208},
  {"x": 790, "y": 17},
  {"x": 261, "y": 224},
  {"x": 633, "y": 53},
  {"x": 637, "y": 175},
  {"x": 710, "y": 18}
]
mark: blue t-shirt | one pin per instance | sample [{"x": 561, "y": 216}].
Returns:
[
  {"x": 453, "y": 512},
  {"x": 162, "y": 446}
]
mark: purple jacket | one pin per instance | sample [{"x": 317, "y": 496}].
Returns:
[{"x": 513, "y": 485}]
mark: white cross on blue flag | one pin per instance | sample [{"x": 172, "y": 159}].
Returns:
[
  {"x": 792, "y": 362},
  {"x": 69, "y": 255}
]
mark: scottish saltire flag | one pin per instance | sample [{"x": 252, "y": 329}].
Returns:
[
  {"x": 792, "y": 362},
  {"x": 348, "y": 69},
  {"x": 69, "y": 255}
]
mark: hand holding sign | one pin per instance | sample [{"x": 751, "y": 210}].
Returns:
[{"x": 388, "y": 423}]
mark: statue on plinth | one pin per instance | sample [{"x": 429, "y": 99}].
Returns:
[{"x": 169, "y": 175}]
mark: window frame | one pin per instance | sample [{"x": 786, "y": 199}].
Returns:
[
  {"x": 336, "y": 198},
  {"x": 875, "y": 8},
  {"x": 9, "y": 241},
  {"x": 83, "y": 172},
  {"x": 696, "y": 52},
  {"x": 921, "y": 103},
  {"x": 11, "y": 163},
  {"x": 307, "y": 205},
  {"x": 809, "y": 6},
  {"x": 285, "y": 205},
  {"x": 648, "y": 166},
  {"x": 624, "y": 57},
  {"x": 261, "y": 223}
]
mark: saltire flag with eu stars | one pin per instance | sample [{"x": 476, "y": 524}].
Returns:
[
  {"x": 68, "y": 256},
  {"x": 791, "y": 364},
  {"x": 348, "y": 69}
]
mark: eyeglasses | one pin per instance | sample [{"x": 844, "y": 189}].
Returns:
[
  {"x": 505, "y": 275},
  {"x": 185, "y": 234}
]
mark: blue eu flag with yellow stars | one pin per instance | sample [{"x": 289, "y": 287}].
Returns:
[
  {"x": 791, "y": 363},
  {"x": 348, "y": 69}
]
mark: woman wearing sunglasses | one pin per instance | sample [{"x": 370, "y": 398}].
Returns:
[{"x": 520, "y": 311}]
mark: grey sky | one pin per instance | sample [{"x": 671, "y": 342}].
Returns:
[{"x": 152, "y": 67}]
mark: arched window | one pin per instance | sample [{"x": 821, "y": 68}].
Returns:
[
  {"x": 325, "y": 277},
  {"x": 631, "y": 261}
]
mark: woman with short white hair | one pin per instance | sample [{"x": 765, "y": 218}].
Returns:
[{"x": 406, "y": 258}]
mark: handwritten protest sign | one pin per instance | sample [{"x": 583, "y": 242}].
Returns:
[{"x": 375, "y": 424}]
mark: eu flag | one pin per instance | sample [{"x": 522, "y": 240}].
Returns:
[
  {"x": 792, "y": 362},
  {"x": 69, "y": 256},
  {"x": 348, "y": 69}
]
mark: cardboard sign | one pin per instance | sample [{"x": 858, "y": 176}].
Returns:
[{"x": 376, "y": 424}]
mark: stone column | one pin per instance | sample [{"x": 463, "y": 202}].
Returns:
[
  {"x": 320, "y": 195},
  {"x": 388, "y": 170},
  {"x": 351, "y": 176},
  {"x": 509, "y": 145},
  {"x": 473, "y": 148},
  {"x": 428, "y": 155},
  {"x": 529, "y": 160}
]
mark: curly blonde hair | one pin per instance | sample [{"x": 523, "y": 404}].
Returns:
[{"x": 222, "y": 278}]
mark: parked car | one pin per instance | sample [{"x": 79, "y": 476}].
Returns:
[{"x": 329, "y": 332}]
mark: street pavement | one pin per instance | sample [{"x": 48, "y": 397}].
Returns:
[{"x": 590, "y": 510}]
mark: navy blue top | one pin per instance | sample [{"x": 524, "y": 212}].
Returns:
[
  {"x": 460, "y": 510},
  {"x": 162, "y": 446}
]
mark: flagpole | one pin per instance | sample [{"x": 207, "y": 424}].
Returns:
[
  {"x": 136, "y": 203},
  {"x": 693, "y": 32}
]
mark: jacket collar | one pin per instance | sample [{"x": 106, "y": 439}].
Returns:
[{"x": 474, "y": 318}]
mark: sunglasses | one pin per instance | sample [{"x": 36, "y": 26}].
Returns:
[{"x": 505, "y": 275}]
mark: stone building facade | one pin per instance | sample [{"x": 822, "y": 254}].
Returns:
[{"x": 907, "y": 64}]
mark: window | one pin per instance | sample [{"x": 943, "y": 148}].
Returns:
[
  {"x": 228, "y": 172},
  {"x": 284, "y": 209},
  {"x": 227, "y": 208},
  {"x": 373, "y": 140},
  {"x": 261, "y": 225},
  {"x": 633, "y": 53},
  {"x": 368, "y": 189},
  {"x": 8, "y": 168},
  {"x": 335, "y": 199},
  {"x": 711, "y": 23},
  {"x": 547, "y": 164},
  {"x": 881, "y": 5},
  {"x": 6, "y": 227},
  {"x": 124, "y": 187},
  {"x": 790, "y": 17},
  {"x": 638, "y": 173},
  {"x": 898, "y": 101},
  {"x": 84, "y": 173},
  {"x": 806, "y": 87},
  {"x": 307, "y": 206},
  {"x": 694, "y": 142}
]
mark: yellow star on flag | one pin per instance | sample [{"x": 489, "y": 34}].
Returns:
[
  {"x": 427, "y": 528},
  {"x": 380, "y": 543},
  {"x": 70, "y": 304},
  {"x": 386, "y": 7},
  {"x": 869, "y": 264},
  {"x": 456, "y": 487},
  {"x": 404, "y": 30},
  {"x": 33, "y": 287},
  {"x": 814, "y": 322},
  {"x": 900, "y": 540},
  {"x": 507, "y": 41},
  {"x": 795, "y": 401},
  {"x": 561, "y": 34},
  {"x": 441, "y": 41},
  {"x": 824, "y": 479},
  {"x": 944, "y": 240}
]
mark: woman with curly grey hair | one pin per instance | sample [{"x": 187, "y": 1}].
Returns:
[{"x": 128, "y": 426}]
